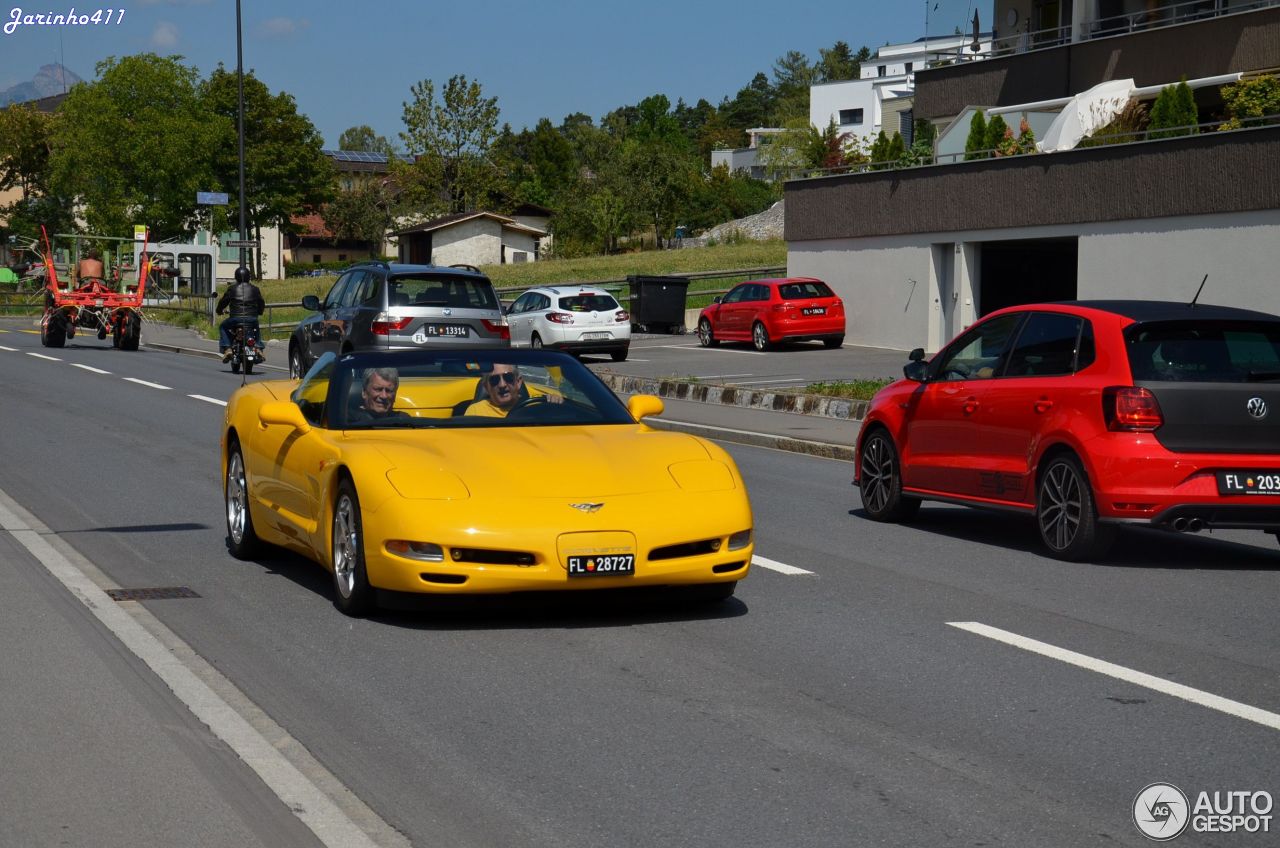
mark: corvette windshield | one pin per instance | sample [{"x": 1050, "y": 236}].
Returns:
[{"x": 446, "y": 389}]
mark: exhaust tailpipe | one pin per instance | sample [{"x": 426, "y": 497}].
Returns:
[
  {"x": 1195, "y": 525},
  {"x": 1180, "y": 524}
]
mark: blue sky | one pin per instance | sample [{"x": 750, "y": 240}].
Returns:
[{"x": 350, "y": 62}]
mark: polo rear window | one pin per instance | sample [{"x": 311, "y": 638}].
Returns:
[
  {"x": 1204, "y": 351},
  {"x": 441, "y": 290},
  {"x": 799, "y": 291},
  {"x": 588, "y": 303}
]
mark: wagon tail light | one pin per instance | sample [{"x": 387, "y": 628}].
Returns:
[
  {"x": 383, "y": 324},
  {"x": 622, "y": 316},
  {"x": 1131, "y": 409},
  {"x": 502, "y": 328},
  {"x": 560, "y": 317}
]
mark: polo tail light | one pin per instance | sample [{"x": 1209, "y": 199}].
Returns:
[
  {"x": 384, "y": 323},
  {"x": 502, "y": 328},
  {"x": 1131, "y": 409}
]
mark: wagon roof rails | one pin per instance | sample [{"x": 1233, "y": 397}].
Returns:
[
  {"x": 381, "y": 262},
  {"x": 465, "y": 267}
]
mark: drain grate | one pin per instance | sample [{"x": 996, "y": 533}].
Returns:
[{"x": 163, "y": 593}]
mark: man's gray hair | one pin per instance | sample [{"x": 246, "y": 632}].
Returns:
[{"x": 390, "y": 375}]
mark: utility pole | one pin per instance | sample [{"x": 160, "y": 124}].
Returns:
[{"x": 244, "y": 251}]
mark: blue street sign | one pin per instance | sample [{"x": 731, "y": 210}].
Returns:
[{"x": 211, "y": 198}]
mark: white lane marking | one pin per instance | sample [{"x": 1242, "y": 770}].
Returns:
[
  {"x": 780, "y": 567},
  {"x": 721, "y": 376},
  {"x": 42, "y": 356},
  {"x": 145, "y": 383},
  {"x": 10, "y": 349},
  {"x": 208, "y": 399},
  {"x": 89, "y": 368},
  {"x": 307, "y": 801},
  {"x": 1159, "y": 684},
  {"x": 713, "y": 349}
]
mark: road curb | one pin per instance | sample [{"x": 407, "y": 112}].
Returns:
[
  {"x": 761, "y": 440},
  {"x": 799, "y": 404}
]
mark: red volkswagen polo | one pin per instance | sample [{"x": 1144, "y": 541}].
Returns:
[
  {"x": 1087, "y": 416},
  {"x": 767, "y": 312}
]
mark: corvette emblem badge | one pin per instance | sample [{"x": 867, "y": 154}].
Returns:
[{"x": 587, "y": 507}]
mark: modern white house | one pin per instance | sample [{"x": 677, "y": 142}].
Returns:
[
  {"x": 926, "y": 251},
  {"x": 744, "y": 158},
  {"x": 881, "y": 98}
]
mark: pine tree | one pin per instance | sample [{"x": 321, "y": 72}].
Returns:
[
  {"x": 977, "y": 140},
  {"x": 897, "y": 150},
  {"x": 997, "y": 129}
]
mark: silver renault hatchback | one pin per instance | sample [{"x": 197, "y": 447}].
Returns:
[{"x": 382, "y": 306}]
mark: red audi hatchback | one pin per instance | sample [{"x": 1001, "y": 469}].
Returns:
[
  {"x": 1087, "y": 416},
  {"x": 767, "y": 312}
]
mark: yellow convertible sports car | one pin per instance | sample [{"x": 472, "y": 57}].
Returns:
[{"x": 486, "y": 472}]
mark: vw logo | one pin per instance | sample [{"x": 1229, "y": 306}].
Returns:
[
  {"x": 1257, "y": 407},
  {"x": 448, "y": 311},
  {"x": 587, "y": 507}
]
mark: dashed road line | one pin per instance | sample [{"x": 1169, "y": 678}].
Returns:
[
  {"x": 208, "y": 399},
  {"x": 145, "y": 383},
  {"x": 1138, "y": 678},
  {"x": 89, "y": 368},
  {"x": 713, "y": 349},
  {"x": 42, "y": 356},
  {"x": 773, "y": 565},
  {"x": 10, "y": 349}
]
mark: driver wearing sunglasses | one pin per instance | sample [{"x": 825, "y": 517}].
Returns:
[{"x": 502, "y": 387}]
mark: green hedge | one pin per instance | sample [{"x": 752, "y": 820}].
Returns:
[{"x": 297, "y": 269}]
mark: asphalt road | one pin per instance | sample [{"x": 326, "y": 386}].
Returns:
[{"x": 834, "y": 702}]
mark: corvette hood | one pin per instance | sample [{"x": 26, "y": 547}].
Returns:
[{"x": 556, "y": 462}]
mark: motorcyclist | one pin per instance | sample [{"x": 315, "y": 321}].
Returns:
[{"x": 244, "y": 302}]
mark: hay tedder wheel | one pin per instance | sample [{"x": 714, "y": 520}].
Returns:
[
  {"x": 131, "y": 331},
  {"x": 53, "y": 331}
]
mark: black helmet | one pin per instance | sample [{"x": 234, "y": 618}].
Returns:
[{"x": 242, "y": 274}]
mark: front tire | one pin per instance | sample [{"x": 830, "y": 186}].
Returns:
[
  {"x": 705, "y": 336},
  {"x": 242, "y": 540},
  {"x": 1066, "y": 513},
  {"x": 760, "y": 337},
  {"x": 295, "y": 364},
  {"x": 352, "y": 593},
  {"x": 881, "y": 481}
]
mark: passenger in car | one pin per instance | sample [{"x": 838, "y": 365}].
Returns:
[
  {"x": 377, "y": 397},
  {"x": 504, "y": 390}
]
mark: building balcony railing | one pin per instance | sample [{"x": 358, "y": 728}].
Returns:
[{"x": 1175, "y": 13}]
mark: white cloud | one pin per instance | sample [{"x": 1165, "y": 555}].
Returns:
[
  {"x": 165, "y": 35},
  {"x": 281, "y": 27}
]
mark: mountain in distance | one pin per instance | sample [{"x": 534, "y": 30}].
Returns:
[{"x": 50, "y": 80}]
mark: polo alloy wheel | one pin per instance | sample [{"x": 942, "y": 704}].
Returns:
[
  {"x": 1067, "y": 514},
  {"x": 880, "y": 481}
]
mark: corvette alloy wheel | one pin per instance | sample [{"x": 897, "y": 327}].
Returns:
[
  {"x": 353, "y": 594},
  {"x": 241, "y": 538}
]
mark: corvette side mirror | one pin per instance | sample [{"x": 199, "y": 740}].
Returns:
[
  {"x": 283, "y": 413},
  {"x": 641, "y": 406}
]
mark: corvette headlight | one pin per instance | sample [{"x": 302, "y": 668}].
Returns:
[
  {"x": 425, "y": 551},
  {"x": 739, "y": 540}
]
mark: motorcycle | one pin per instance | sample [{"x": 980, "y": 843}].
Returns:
[{"x": 244, "y": 349}]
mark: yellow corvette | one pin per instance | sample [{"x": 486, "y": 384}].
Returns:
[{"x": 478, "y": 472}]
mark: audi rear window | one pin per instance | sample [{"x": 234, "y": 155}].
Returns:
[
  {"x": 798, "y": 291},
  {"x": 441, "y": 290},
  {"x": 588, "y": 303},
  {"x": 1204, "y": 351}
]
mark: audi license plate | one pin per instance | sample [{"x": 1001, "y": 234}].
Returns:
[
  {"x": 1249, "y": 482},
  {"x": 459, "y": 330},
  {"x": 607, "y": 565},
  {"x": 816, "y": 310}
]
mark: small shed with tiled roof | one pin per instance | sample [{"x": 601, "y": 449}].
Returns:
[{"x": 473, "y": 238}]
